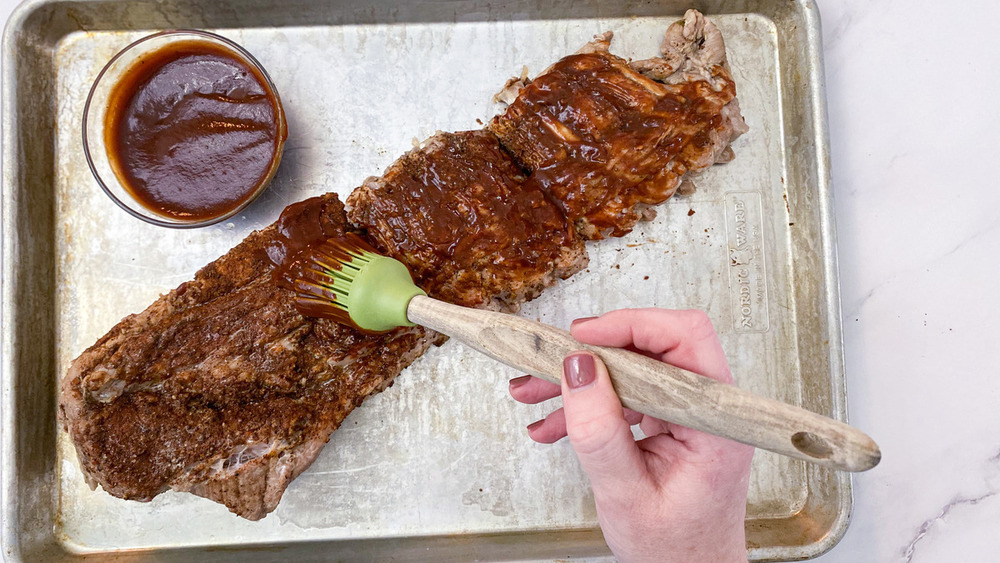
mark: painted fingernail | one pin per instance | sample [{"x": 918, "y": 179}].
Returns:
[
  {"x": 519, "y": 381},
  {"x": 579, "y": 370},
  {"x": 536, "y": 424},
  {"x": 581, "y": 320}
]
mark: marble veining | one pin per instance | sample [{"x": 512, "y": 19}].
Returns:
[
  {"x": 852, "y": 310},
  {"x": 957, "y": 504}
]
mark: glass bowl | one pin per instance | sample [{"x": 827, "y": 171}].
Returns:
[{"x": 95, "y": 115}]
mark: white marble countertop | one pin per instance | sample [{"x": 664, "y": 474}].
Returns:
[
  {"x": 912, "y": 124},
  {"x": 918, "y": 218}
]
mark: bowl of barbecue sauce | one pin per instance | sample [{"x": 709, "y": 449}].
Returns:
[{"x": 183, "y": 128}]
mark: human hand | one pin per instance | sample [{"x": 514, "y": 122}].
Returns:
[{"x": 676, "y": 495}]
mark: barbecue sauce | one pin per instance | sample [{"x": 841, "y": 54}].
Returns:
[
  {"x": 304, "y": 231},
  {"x": 193, "y": 131},
  {"x": 302, "y": 225},
  {"x": 603, "y": 138}
]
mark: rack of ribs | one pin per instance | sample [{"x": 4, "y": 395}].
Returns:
[
  {"x": 608, "y": 139},
  {"x": 223, "y": 389},
  {"x": 464, "y": 219}
]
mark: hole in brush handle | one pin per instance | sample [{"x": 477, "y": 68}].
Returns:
[{"x": 812, "y": 445}]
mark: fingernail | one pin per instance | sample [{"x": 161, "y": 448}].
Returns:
[
  {"x": 579, "y": 370},
  {"x": 536, "y": 424},
  {"x": 519, "y": 381},
  {"x": 581, "y": 320}
]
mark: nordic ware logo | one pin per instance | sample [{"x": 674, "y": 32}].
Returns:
[{"x": 747, "y": 274}]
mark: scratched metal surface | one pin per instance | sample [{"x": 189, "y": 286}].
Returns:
[{"x": 439, "y": 465}]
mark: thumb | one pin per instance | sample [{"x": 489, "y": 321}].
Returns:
[{"x": 596, "y": 424}]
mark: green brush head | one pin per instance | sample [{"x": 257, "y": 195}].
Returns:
[{"x": 346, "y": 280}]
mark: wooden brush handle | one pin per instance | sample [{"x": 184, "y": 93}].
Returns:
[{"x": 657, "y": 389}]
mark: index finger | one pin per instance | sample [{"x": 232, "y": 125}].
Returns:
[{"x": 685, "y": 339}]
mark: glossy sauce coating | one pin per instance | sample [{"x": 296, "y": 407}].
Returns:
[
  {"x": 317, "y": 274},
  {"x": 601, "y": 138},
  {"x": 459, "y": 214},
  {"x": 192, "y": 131},
  {"x": 306, "y": 235},
  {"x": 466, "y": 198},
  {"x": 303, "y": 232},
  {"x": 300, "y": 225},
  {"x": 302, "y": 229}
]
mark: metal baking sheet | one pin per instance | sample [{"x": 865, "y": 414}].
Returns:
[{"x": 439, "y": 466}]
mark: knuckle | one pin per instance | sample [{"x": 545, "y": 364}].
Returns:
[
  {"x": 591, "y": 435},
  {"x": 701, "y": 333},
  {"x": 699, "y": 323}
]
